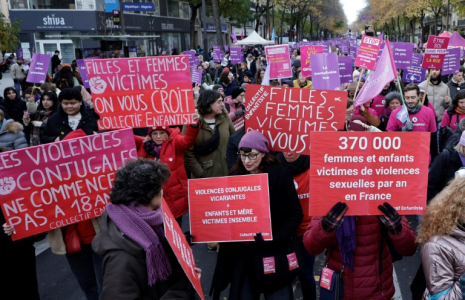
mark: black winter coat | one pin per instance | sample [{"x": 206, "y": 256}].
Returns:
[
  {"x": 15, "y": 108},
  {"x": 57, "y": 125},
  {"x": 235, "y": 259},
  {"x": 443, "y": 170}
]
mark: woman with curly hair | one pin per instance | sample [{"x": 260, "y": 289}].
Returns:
[
  {"x": 138, "y": 261},
  {"x": 227, "y": 82},
  {"x": 442, "y": 233}
]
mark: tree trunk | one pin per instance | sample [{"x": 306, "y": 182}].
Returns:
[
  {"x": 194, "y": 9},
  {"x": 267, "y": 19},
  {"x": 216, "y": 17},
  {"x": 282, "y": 23},
  {"x": 398, "y": 27}
]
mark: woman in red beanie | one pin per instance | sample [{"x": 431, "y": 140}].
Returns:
[{"x": 168, "y": 145}]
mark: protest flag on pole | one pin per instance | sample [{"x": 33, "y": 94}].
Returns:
[
  {"x": 266, "y": 77},
  {"x": 371, "y": 17},
  {"x": 384, "y": 73},
  {"x": 364, "y": 17},
  {"x": 233, "y": 35},
  {"x": 242, "y": 34}
]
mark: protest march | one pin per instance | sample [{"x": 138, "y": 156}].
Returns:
[{"x": 297, "y": 166}]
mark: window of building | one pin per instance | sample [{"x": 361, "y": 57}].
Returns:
[
  {"x": 56, "y": 4},
  {"x": 178, "y": 9},
  {"x": 18, "y": 4},
  {"x": 171, "y": 39}
]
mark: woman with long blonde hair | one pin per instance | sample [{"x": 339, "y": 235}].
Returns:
[{"x": 442, "y": 235}]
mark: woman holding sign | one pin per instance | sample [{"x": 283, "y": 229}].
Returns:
[
  {"x": 242, "y": 264},
  {"x": 138, "y": 261}
]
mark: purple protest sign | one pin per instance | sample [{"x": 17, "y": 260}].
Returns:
[
  {"x": 220, "y": 56},
  {"x": 235, "y": 54},
  {"x": 402, "y": 53},
  {"x": 226, "y": 48},
  {"x": 345, "y": 69},
  {"x": 83, "y": 73},
  {"x": 353, "y": 52},
  {"x": 38, "y": 68},
  {"x": 325, "y": 47},
  {"x": 417, "y": 59},
  {"x": 193, "y": 59},
  {"x": 325, "y": 71},
  {"x": 345, "y": 48},
  {"x": 196, "y": 75},
  {"x": 451, "y": 61},
  {"x": 413, "y": 74},
  {"x": 171, "y": 48}
]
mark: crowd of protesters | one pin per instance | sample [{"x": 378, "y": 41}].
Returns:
[{"x": 124, "y": 255}]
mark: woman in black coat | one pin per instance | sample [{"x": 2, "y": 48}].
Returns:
[{"x": 241, "y": 264}]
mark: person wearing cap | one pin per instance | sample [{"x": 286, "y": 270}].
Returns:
[
  {"x": 219, "y": 88},
  {"x": 456, "y": 83},
  {"x": 167, "y": 145},
  {"x": 391, "y": 101},
  {"x": 247, "y": 77},
  {"x": 420, "y": 118},
  {"x": 302, "y": 82},
  {"x": 444, "y": 167},
  {"x": 240, "y": 264},
  {"x": 456, "y": 112},
  {"x": 351, "y": 89},
  {"x": 251, "y": 64},
  {"x": 438, "y": 93},
  {"x": 235, "y": 106}
]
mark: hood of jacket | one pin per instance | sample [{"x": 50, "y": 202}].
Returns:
[{"x": 11, "y": 126}]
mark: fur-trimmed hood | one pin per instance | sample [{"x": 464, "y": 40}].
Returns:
[{"x": 11, "y": 126}]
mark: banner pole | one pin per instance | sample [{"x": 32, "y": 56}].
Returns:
[
  {"x": 356, "y": 89},
  {"x": 427, "y": 82}
]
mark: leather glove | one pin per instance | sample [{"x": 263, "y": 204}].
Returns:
[
  {"x": 335, "y": 217},
  {"x": 239, "y": 112},
  {"x": 408, "y": 126},
  {"x": 391, "y": 218},
  {"x": 189, "y": 237},
  {"x": 258, "y": 238}
]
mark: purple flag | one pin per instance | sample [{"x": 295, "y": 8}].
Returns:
[
  {"x": 364, "y": 17},
  {"x": 371, "y": 17},
  {"x": 83, "y": 73},
  {"x": 196, "y": 75},
  {"x": 325, "y": 71},
  {"x": 20, "y": 53},
  {"x": 235, "y": 54},
  {"x": 233, "y": 35},
  {"x": 381, "y": 36},
  {"x": 451, "y": 61},
  {"x": 384, "y": 73},
  {"x": 345, "y": 69},
  {"x": 402, "y": 53},
  {"x": 38, "y": 68},
  {"x": 193, "y": 58}
]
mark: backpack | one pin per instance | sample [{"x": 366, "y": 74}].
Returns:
[{"x": 445, "y": 132}]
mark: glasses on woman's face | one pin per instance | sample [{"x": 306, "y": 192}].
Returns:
[{"x": 250, "y": 156}]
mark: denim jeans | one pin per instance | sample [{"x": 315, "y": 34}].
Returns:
[
  {"x": 86, "y": 266},
  {"x": 307, "y": 280},
  {"x": 17, "y": 86}
]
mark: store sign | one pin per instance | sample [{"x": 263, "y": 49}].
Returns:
[
  {"x": 111, "y": 5},
  {"x": 212, "y": 27},
  {"x": 138, "y": 6},
  {"x": 48, "y": 20}
]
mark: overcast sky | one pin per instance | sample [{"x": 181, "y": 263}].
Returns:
[{"x": 351, "y": 8}]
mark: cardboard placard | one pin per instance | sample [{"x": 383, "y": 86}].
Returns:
[
  {"x": 142, "y": 91},
  {"x": 286, "y": 116},
  {"x": 305, "y": 52},
  {"x": 181, "y": 248},
  {"x": 368, "y": 52},
  {"x": 229, "y": 209},
  {"x": 39, "y": 68},
  {"x": 366, "y": 169},
  {"x": 451, "y": 61},
  {"x": 58, "y": 184},
  {"x": 402, "y": 53},
  {"x": 279, "y": 61},
  {"x": 435, "y": 52},
  {"x": 325, "y": 71},
  {"x": 345, "y": 69}
]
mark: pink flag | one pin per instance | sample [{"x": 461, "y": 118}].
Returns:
[
  {"x": 384, "y": 73},
  {"x": 242, "y": 34},
  {"x": 233, "y": 35}
]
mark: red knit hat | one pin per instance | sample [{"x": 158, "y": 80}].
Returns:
[{"x": 162, "y": 128}]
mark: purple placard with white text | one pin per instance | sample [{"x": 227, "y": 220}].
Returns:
[
  {"x": 196, "y": 75},
  {"x": 325, "y": 71},
  {"x": 451, "y": 61},
  {"x": 402, "y": 54},
  {"x": 83, "y": 73},
  {"x": 193, "y": 59},
  {"x": 38, "y": 68},
  {"x": 235, "y": 54},
  {"x": 417, "y": 59},
  {"x": 345, "y": 69}
]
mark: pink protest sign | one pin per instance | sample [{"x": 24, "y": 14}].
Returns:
[
  {"x": 435, "y": 52},
  {"x": 305, "y": 52},
  {"x": 279, "y": 61},
  {"x": 368, "y": 52}
]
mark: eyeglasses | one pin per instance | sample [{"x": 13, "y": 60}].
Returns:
[{"x": 250, "y": 156}]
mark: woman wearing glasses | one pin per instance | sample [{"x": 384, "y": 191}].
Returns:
[{"x": 240, "y": 264}]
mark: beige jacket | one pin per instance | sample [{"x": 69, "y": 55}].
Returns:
[
  {"x": 57, "y": 242},
  {"x": 436, "y": 95},
  {"x": 17, "y": 72},
  {"x": 443, "y": 259}
]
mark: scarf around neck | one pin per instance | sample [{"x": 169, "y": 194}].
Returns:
[
  {"x": 387, "y": 112},
  {"x": 414, "y": 110},
  {"x": 145, "y": 228},
  {"x": 459, "y": 110},
  {"x": 347, "y": 240},
  {"x": 298, "y": 166},
  {"x": 152, "y": 149}
]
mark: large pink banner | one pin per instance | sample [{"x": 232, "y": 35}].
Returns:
[
  {"x": 305, "y": 52},
  {"x": 279, "y": 61}
]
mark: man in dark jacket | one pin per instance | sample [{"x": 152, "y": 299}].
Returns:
[
  {"x": 56, "y": 61},
  {"x": 456, "y": 83},
  {"x": 71, "y": 115}
]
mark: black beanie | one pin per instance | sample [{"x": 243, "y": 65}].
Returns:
[{"x": 236, "y": 91}]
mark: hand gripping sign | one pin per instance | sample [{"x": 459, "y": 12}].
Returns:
[
  {"x": 366, "y": 169},
  {"x": 58, "y": 184},
  {"x": 229, "y": 209},
  {"x": 141, "y": 91},
  {"x": 181, "y": 248}
]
